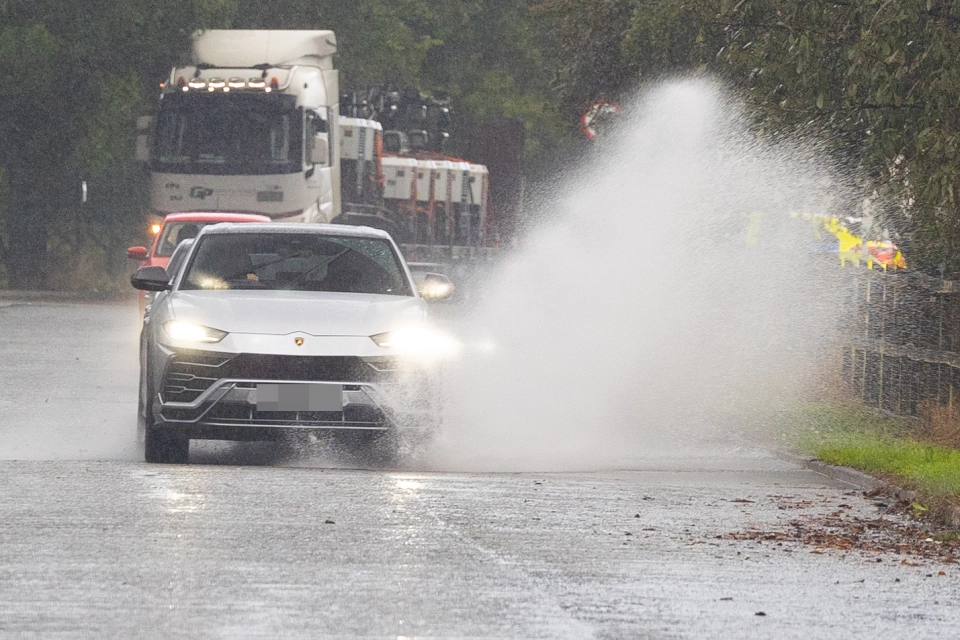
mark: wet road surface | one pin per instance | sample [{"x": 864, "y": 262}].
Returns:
[{"x": 96, "y": 544}]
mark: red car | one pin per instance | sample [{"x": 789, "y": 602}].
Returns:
[{"x": 177, "y": 227}]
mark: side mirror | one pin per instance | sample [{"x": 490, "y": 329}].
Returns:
[
  {"x": 144, "y": 125},
  {"x": 435, "y": 286},
  {"x": 150, "y": 279},
  {"x": 142, "y": 150},
  {"x": 320, "y": 153},
  {"x": 137, "y": 253}
]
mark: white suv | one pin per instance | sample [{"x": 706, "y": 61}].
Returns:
[{"x": 276, "y": 327}]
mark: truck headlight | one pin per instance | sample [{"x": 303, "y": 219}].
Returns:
[
  {"x": 189, "y": 332},
  {"x": 418, "y": 342}
]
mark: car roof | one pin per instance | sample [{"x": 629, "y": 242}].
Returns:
[
  {"x": 215, "y": 216},
  {"x": 296, "y": 227}
]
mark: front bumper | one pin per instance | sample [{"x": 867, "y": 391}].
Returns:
[{"x": 207, "y": 395}]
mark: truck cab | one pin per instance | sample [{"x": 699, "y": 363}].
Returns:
[{"x": 251, "y": 126}]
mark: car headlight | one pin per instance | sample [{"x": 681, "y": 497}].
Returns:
[
  {"x": 189, "y": 332},
  {"x": 418, "y": 341}
]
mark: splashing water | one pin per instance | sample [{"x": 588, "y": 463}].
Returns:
[{"x": 665, "y": 292}]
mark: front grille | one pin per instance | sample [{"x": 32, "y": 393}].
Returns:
[
  {"x": 190, "y": 373},
  {"x": 306, "y": 368}
]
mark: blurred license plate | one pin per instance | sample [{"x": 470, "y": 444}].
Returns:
[{"x": 300, "y": 397}]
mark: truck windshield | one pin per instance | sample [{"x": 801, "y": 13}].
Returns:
[
  {"x": 228, "y": 134},
  {"x": 296, "y": 262}
]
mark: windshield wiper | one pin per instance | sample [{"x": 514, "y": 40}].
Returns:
[
  {"x": 279, "y": 259},
  {"x": 312, "y": 269}
]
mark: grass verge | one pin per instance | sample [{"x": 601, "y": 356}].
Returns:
[{"x": 890, "y": 448}]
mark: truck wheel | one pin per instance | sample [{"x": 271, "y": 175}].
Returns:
[{"x": 165, "y": 447}]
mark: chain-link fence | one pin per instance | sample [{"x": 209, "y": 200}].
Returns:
[{"x": 903, "y": 344}]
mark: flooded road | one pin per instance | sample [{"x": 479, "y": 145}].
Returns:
[{"x": 97, "y": 544}]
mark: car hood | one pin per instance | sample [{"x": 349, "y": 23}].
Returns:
[{"x": 284, "y": 312}]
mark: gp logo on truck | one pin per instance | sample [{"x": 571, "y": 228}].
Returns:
[{"x": 200, "y": 192}]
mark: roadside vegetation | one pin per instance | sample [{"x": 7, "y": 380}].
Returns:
[
  {"x": 73, "y": 81},
  {"x": 922, "y": 454},
  {"x": 878, "y": 80}
]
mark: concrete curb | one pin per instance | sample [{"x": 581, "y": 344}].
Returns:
[
  {"x": 848, "y": 475},
  {"x": 866, "y": 482}
]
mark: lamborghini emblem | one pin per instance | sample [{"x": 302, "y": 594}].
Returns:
[{"x": 298, "y": 341}]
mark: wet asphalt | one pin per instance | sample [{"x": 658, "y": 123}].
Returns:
[{"x": 252, "y": 542}]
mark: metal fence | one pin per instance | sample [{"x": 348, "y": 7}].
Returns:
[{"x": 903, "y": 343}]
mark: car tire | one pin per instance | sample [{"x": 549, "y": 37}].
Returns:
[
  {"x": 164, "y": 447},
  {"x": 144, "y": 419},
  {"x": 379, "y": 449},
  {"x": 372, "y": 448}
]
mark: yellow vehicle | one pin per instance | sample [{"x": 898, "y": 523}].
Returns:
[{"x": 851, "y": 249}]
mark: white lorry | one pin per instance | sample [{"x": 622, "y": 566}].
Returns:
[{"x": 253, "y": 125}]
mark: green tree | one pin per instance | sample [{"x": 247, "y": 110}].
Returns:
[
  {"x": 880, "y": 78},
  {"x": 584, "y": 38},
  {"x": 485, "y": 54},
  {"x": 72, "y": 78}
]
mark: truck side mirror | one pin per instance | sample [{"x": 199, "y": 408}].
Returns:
[
  {"x": 320, "y": 153},
  {"x": 143, "y": 148},
  {"x": 150, "y": 279},
  {"x": 144, "y": 125}
]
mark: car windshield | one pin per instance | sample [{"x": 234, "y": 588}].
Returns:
[
  {"x": 230, "y": 134},
  {"x": 174, "y": 233},
  {"x": 296, "y": 262}
]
